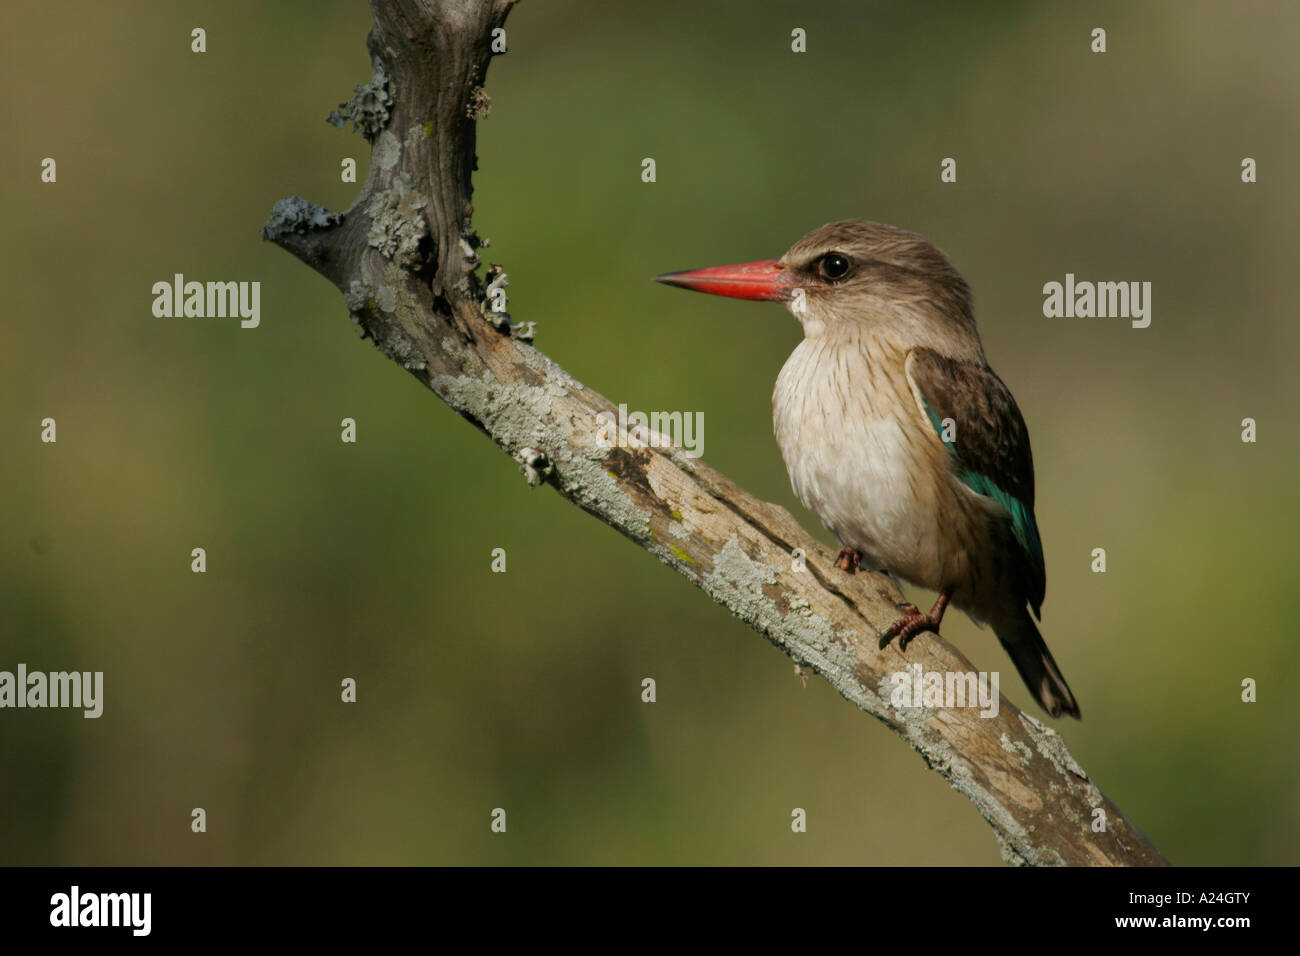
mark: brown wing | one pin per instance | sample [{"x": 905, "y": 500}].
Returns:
[{"x": 990, "y": 448}]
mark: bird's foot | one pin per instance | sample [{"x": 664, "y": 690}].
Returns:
[
  {"x": 915, "y": 623},
  {"x": 847, "y": 560},
  {"x": 907, "y": 628}
]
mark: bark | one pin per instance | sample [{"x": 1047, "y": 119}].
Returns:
[{"x": 405, "y": 258}]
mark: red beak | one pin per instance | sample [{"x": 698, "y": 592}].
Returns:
[{"x": 767, "y": 280}]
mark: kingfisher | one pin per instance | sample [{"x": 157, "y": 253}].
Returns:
[{"x": 898, "y": 435}]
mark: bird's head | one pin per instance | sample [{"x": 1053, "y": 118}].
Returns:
[{"x": 848, "y": 276}]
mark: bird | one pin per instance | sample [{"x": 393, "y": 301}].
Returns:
[{"x": 900, "y": 437}]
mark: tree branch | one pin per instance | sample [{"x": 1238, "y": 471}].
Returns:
[{"x": 404, "y": 257}]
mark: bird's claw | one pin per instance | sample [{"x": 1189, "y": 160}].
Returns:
[
  {"x": 847, "y": 560},
  {"x": 909, "y": 628},
  {"x": 914, "y": 622}
]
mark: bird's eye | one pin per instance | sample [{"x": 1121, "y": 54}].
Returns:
[{"x": 833, "y": 265}]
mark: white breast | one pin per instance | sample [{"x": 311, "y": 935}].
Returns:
[{"x": 844, "y": 433}]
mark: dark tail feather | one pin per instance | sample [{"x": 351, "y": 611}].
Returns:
[{"x": 1019, "y": 635}]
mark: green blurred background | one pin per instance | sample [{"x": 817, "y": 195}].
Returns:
[{"x": 522, "y": 690}]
